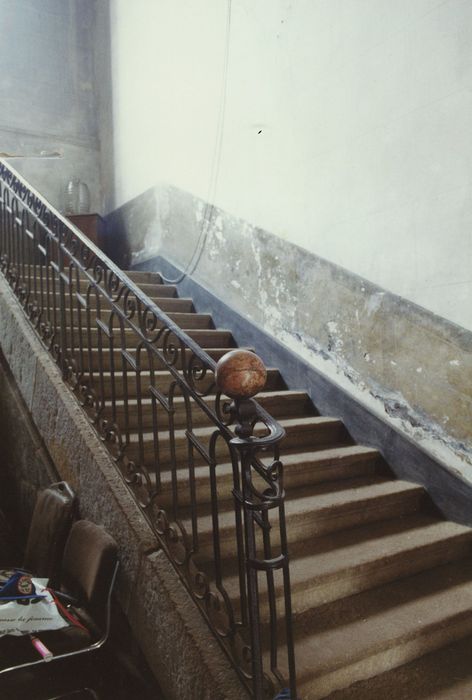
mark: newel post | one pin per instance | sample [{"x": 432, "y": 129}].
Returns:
[{"x": 241, "y": 374}]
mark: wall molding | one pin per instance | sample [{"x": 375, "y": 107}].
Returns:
[{"x": 81, "y": 141}]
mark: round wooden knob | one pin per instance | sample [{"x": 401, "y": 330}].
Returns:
[{"x": 240, "y": 374}]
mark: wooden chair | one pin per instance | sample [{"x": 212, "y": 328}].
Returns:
[{"x": 52, "y": 518}]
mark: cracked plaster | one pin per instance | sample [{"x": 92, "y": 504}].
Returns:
[{"x": 404, "y": 362}]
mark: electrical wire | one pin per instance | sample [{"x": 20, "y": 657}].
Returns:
[{"x": 208, "y": 213}]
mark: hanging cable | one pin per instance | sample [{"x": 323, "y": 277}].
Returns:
[{"x": 215, "y": 166}]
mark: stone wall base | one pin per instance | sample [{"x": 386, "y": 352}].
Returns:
[{"x": 45, "y": 436}]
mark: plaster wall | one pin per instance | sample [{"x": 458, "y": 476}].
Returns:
[
  {"x": 408, "y": 366},
  {"x": 345, "y": 128},
  {"x": 48, "y": 94}
]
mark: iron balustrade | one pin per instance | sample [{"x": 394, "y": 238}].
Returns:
[{"x": 204, "y": 469}]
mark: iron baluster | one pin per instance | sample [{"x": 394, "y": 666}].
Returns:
[{"x": 76, "y": 298}]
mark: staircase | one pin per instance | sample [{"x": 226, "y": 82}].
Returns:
[
  {"x": 381, "y": 584},
  {"x": 378, "y": 577}
]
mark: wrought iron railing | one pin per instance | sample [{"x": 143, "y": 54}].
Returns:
[{"x": 205, "y": 469}]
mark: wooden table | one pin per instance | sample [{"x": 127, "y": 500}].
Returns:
[{"x": 92, "y": 225}]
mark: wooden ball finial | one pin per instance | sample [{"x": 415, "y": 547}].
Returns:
[{"x": 240, "y": 374}]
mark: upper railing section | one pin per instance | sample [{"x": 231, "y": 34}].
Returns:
[{"x": 199, "y": 454}]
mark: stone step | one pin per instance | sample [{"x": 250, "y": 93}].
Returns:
[
  {"x": 162, "y": 380},
  {"x": 278, "y": 403},
  {"x": 348, "y": 562},
  {"x": 182, "y": 319},
  {"x": 443, "y": 674},
  {"x": 383, "y": 628},
  {"x": 166, "y": 304},
  {"x": 171, "y": 303},
  {"x": 312, "y": 432},
  {"x": 214, "y": 352},
  {"x": 153, "y": 289},
  {"x": 300, "y": 468},
  {"x": 143, "y": 276},
  {"x": 138, "y": 276},
  {"x": 205, "y": 337},
  {"x": 313, "y": 511}
]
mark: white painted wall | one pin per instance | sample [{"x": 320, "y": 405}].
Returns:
[{"x": 347, "y": 127}]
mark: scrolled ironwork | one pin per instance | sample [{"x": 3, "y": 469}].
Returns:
[
  {"x": 196, "y": 372},
  {"x": 204, "y": 468}
]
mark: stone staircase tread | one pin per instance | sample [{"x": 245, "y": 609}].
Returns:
[
  {"x": 213, "y": 352},
  {"x": 167, "y": 304},
  {"x": 207, "y": 350},
  {"x": 195, "y": 321},
  {"x": 179, "y": 315},
  {"x": 328, "y": 457},
  {"x": 159, "y": 375},
  {"x": 206, "y": 432},
  {"x": 211, "y": 331},
  {"x": 309, "y": 421},
  {"x": 178, "y": 301},
  {"x": 188, "y": 300},
  {"x": 146, "y": 285},
  {"x": 352, "y": 493},
  {"x": 201, "y": 336},
  {"x": 355, "y": 551},
  {"x": 166, "y": 372},
  {"x": 417, "y": 611},
  {"x": 327, "y": 500},
  {"x": 280, "y": 403},
  {"x": 143, "y": 275},
  {"x": 363, "y": 557},
  {"x": 283, "y": 393},
  {"x": 443, "y": 674},
  {"x": 150, "y": 290}
]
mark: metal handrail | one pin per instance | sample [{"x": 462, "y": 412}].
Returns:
[{"x": 61, "y": 277}]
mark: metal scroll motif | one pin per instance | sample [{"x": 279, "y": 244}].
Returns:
[{"x": 204, "y": 469}]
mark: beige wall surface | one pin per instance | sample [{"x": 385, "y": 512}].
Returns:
[
  {"x": 332, "y": 138},
  {"x": 345, "y": 127},
  {"x": 408, "y": 366}
]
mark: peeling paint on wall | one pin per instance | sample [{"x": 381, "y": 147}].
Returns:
[{"x": 404, "y": 362}]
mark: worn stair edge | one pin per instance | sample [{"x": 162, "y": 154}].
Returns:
[
  {"x": 300, "y": 469},
  {"x": 309, "y": 516},
  {"x": 346, "y": 571},
  {"x": 408, "y": 627}
]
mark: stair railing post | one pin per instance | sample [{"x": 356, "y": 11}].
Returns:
[
  {"x": 62, "y": 301},
  {"x": 241, "y": 374},
  {"x": 243, "y": 411}
]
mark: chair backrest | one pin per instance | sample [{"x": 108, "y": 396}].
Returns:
[
  {"x": 50, "y": 526},
  {"x": 88, "y": 566},
  {"x": 6, "y": 543}
]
